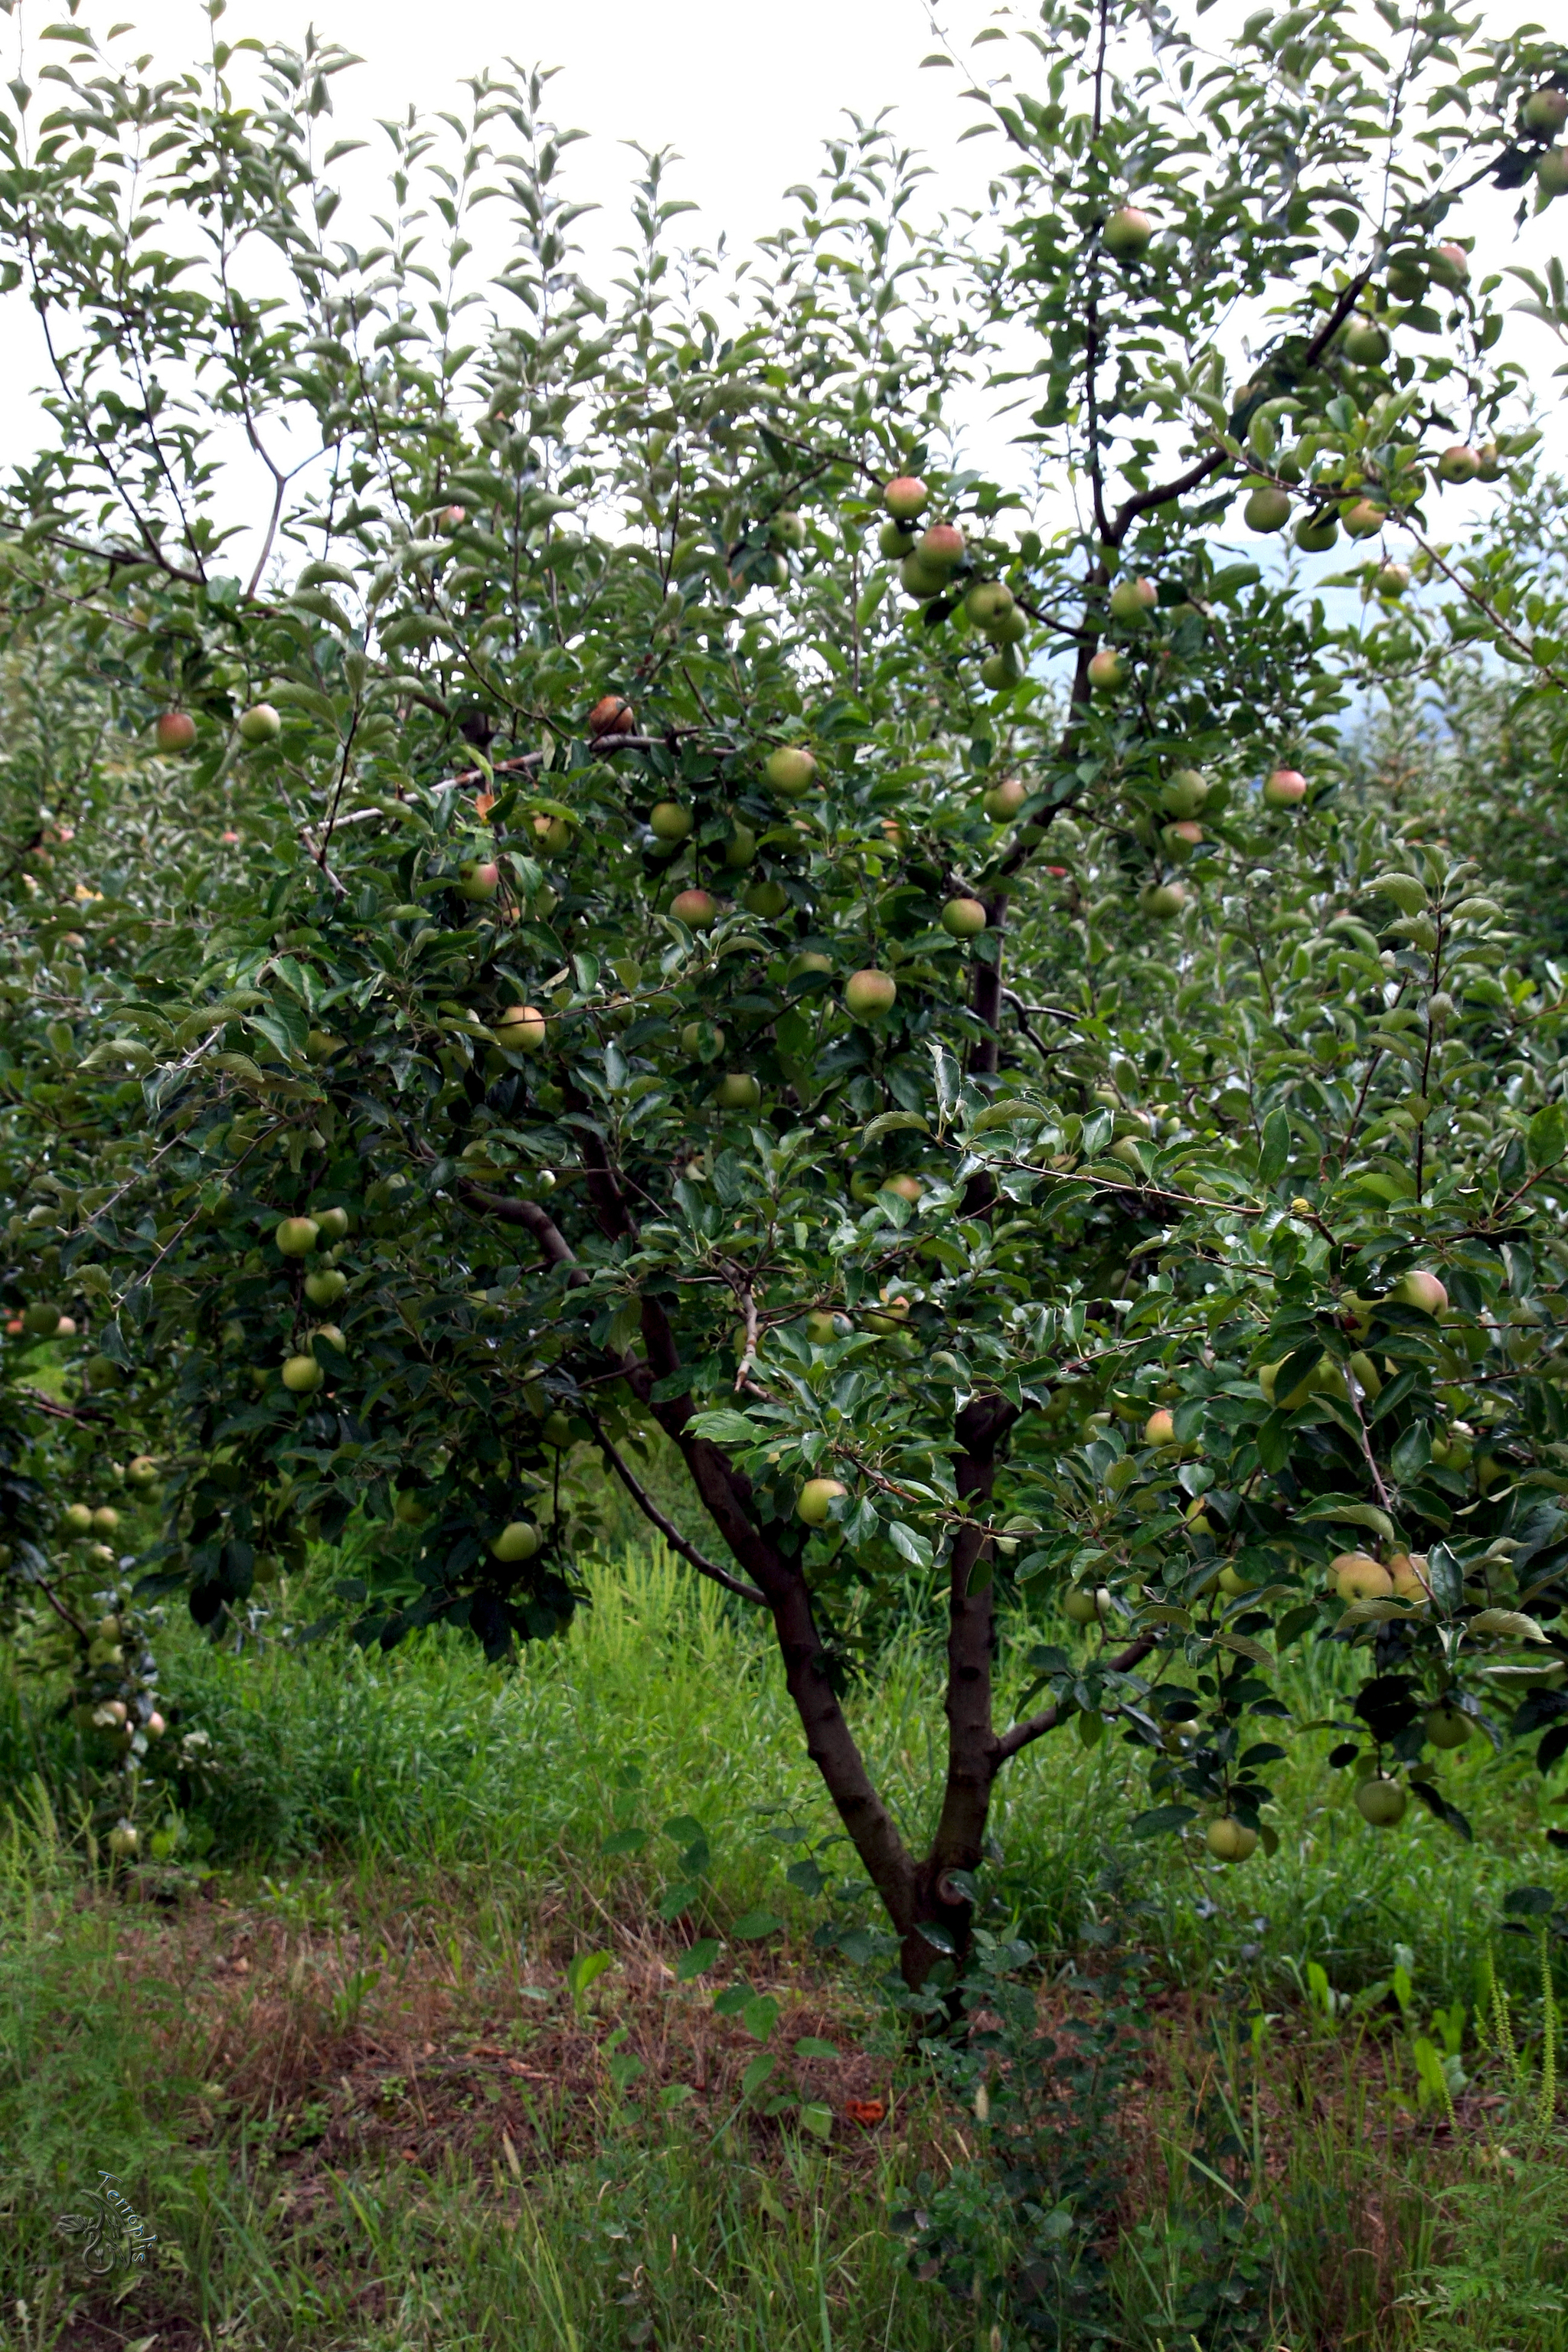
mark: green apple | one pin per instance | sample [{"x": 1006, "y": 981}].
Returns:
[
  {"x": 808, "y": 961},
  {"x": 667, "y": 820},
  {"x": 963, "y": 918},
  {"x": 1229, "y": 1840},
  {"x": 821, "y": 1328},
  {"x": 1184, "y": 792},
  {"x": 557, "y": 1430},
  {"x": 1365, "y": 343},
  {"x": 1164, "y": 900},
  {"x": 895, "y": 540},
  {"x": 1544, "y": 111},
  {"x": 1127, "y": 233},
  {"x": 1552, "y": 171},
  {"x": 1004, "y": 800},
  {"x": 1133, "y": 600},
  {"x": 521, "y": 1029},
  {"x": 1460, "y": 463},
  {"x": 1107, "y": 670},
  {"x": 1266, "y": 509},
  {"x": 105, "y": 1520},
  {"x": 1446, "y": 1726},
  {"x": 297, "y": 1236},
  {"x": 1381, "y": 1803},
  {"x": 123, "y": 1841},
  {"x": 41, "y": 1321},
  {"x": 869, "y": 993},
  {"x": 1356, "y": 1576},
  {"x": 1365, "y": 520},
  {"x": 259, "y": 724},
  {"x": 1422, "y": 1290},
  {"x": 738, "y": 1090},
  {"x": 77, "y": 1520},
  {"x": 921, "y": 580},
  {"x": 816, "y": 1499},
  {"x": 1000, "y": 670},
  {"x": 1316, "y": 533},
  {"x": 1392, "y": 579},
  {"x": 409, "y": 1508},
  {"x": 1084, "y": 1604},
  {"x": 988, "y": 602},
  {"x": 325, "y": 1286},
  {"x": 333, "y": 1223},
  {"x": 517, "y": 1540},
  {"x": 302, "y": 1375},
  {"x": 790, "y": 770},
  {"x": 767, "y": 899},
  {"x": 321, "y": 1044},
  {"x": 740, "y": 847}
]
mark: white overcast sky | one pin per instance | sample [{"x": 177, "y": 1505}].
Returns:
[{"x": 745, "y": 94}]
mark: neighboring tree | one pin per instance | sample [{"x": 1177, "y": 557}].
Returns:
[{"x": 1007, "y": 1146}]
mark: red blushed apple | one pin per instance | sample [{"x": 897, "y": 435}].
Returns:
[
  {"x": 942, "y": 547},
  {"x": 905, "y": 498},
  {"x": 175, "y": 731},
  {"x": 869, "y": 994},
  {"x": 1127, "y": 233},
  {"x": 698, "y": 909},
  {"x": 611, "y": 715},
  {"x": 1286, "y": 788}
]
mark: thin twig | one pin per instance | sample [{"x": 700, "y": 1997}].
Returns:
[{"x": 667, "y": 1527}]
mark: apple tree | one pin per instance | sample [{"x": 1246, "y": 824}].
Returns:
[{"x": 694, "y": 908}]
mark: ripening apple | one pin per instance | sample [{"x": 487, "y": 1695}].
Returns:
[
  {"x": 611, "y": 715},
  {"x": 1365, "y": 518},
  {"x": 552, "y": 833},
  {"x": 895, "y": 540},
  {"x": 1460, "y": 463},
  {"x": 790, "y": 770},
  {"x": 1004, "y": 800},
  {"x": 1133, "y": 600},
  {"x": 297, "y": 1236},
  {"x": 740, "y": 847},
  {"x": 1315, "y": 533},
  {"x": 1552, "y": 171},
  {"x": 517, "y": 1540},
  {"x": 175, "y": 731},
  {"x": 1182, "y": 840},
  {"x": 891, "y": 1315},
  {"x": 41, "y": 1320},
  {"x": 521, "y": 1029},
  {"x": 325, "y": 1287},
  {"x": 696, "y": 909},
  {"x": 1107, "y": 670},
  {"x": 1164, "y": 900},
  {"x": 808, "y": 961},
  {"x": 478, "y": 880},
  {"x": 1127, "y": 233},
  {"x": 154, "y": 1726},
  {"x": 1084, "y": 1604},
  {"x": 869, "y": 994},
  {"x": 1266, "y": 509},
  {"x": 105, "y": 1520},
  {"x": 1420, "y": 1289},
  {"x": 1446, "y": 1726},
  {"x": 1392, "y": 581},
  {"x": 942, "y": 547},
  {"x": 1381, "y": 1803},
  {"x": 76, "y": 1518},
  {"x": 963, "y": 918},
  {"x": 141, "y": 1472},
  {"x": 332, "y": 1223},
  {"x": 1366, "y": 343},
  {"x": 816, "y": 1499},
  {"x": 1184, "y": 792},
  {"x": 1450, "y": 265},
  {"x": 821, "y": 1328},
  {"x": 123, "y": 1841},
  {"x": 1229, "y": 1840},
  {"x": 302, "y": 1375},
  {"x": 905, "y": 498},
  {"x": 1545, "y": 112},
  {"x": 667, "y": 820},
  {"x": 1000, "y": 670},
  {"x": 1159, "y": 1429},
  {"x": 1356, "y": 1576},
  {"x": 908, "y": 1188},
  {"x": 738, "y": 1090},
  {"x": 1286, "y": 788},
  {"x": 260, "y": 724}
]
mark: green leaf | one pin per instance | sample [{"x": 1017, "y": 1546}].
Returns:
[
  {"x": 1160, "y": 1819},
  {"x": 758, "y": 2073},
  {"x": 1275, "y": 1155},
  {"x": 697, "y": 1960},
  {"x": 752, "y": 1925},
  {"x": 1359, "y": 1515}
]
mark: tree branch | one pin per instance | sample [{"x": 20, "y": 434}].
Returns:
[
  {"x": 667, "y": 1527},
  {"x": 1035, "y": 1726}
]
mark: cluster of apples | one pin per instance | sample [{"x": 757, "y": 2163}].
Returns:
[
  {"x": 297, "y": 1238},
  {"x": 928, "y": 563},
  {"x": 174, "y": 731},
  {"x": 1544, "y": 114}
]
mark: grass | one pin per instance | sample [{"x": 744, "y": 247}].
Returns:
[{"x": 364, "y": 2087}]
